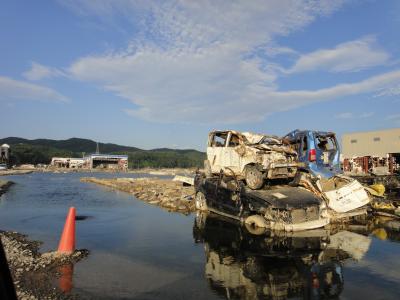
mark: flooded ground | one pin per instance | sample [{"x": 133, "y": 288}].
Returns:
[{"x": 139, "y": 251}]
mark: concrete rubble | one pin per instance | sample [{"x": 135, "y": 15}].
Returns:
[
  {"x": 33, "y": 272},
  {"x": 168, "y": 194}
]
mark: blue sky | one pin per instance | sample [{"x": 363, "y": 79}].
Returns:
[{"x": 163, "y": 73}]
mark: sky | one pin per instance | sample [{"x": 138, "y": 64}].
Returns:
[{"x": 154, "y": 74}]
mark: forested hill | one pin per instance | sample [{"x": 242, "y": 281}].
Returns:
[{"x": 37, "y": 151}]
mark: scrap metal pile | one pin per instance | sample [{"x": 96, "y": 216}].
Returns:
[{"x": 292, "y": 183}]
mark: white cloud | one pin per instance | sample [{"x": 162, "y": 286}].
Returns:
[
  {"x": 11, "y": 89},
  {"x": 347, "y": 57},
  {"x": 203, "y": 87},
  {"x": 350, "y": 115},
  {"x": 388, "y": 92},
  {"x": 344, "y": 115},
  {"x": 197, "y": 60},
  {"x": 38, "y": 72}
]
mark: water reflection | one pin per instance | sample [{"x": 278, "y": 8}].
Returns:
[
  {"x": 307, "y": 265},
  {"x": 65, "y": 281}
]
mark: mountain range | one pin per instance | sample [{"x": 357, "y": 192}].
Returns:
[{"x": 42, "y": 150}]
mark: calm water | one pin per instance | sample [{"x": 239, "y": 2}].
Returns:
[{"x": 139, "y": 251}]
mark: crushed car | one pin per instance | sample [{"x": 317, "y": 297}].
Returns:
[
  {"x": 344, "y": 196},
  {"x": 249, "y": 156},
  {"x": 321, "y": 173},
  {"x": 318, "y": 150},
  {"x": 279, "y": 208}
]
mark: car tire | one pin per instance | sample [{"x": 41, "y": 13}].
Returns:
[
  {"x": 207, "y": 169},
  {"x": 200, "y": 202},
  {"x": 254, "y": 178}
]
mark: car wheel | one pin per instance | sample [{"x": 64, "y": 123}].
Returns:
[
  {"x": 254, "y": 178},
  {"x": 201, "y": 203}
]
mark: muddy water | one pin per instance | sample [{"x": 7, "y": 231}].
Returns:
[{"x": 139, "y": 251}]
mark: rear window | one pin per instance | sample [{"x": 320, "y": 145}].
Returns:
[{"x": 326, "y": 143}]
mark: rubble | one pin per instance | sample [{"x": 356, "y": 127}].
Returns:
[
  {"x": 33, "y": 272},
  {"x": 168, "y": 194}
]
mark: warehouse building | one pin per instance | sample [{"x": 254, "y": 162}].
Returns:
[
  {"x": 67, "y": 162},
  {"x": 376, "y": 152},
  {"x": 107, "y": 161}
]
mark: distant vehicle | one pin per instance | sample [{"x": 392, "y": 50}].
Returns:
[
  {"x": 3, "y": 167},
  {"x": 253, "y": 157},
  {"x": 283, "y": 208},
  {"x": 318, "y": 150}
]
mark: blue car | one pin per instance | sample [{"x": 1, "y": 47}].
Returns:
[{"x": 318, "y": 150}]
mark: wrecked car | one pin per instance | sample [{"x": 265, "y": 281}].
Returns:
[
  {"x": 252, "y": 157},
  {"x": 282, "y": 208},
  {"x": 343, "y": 195},
  {"x": 318, "y": 150}
]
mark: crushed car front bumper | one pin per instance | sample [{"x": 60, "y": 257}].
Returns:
[{"x": 299, "y": 226}]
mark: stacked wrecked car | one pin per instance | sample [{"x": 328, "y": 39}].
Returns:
[{"x": 288, "y": 184}]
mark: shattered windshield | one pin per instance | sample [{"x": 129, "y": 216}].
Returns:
[{"x": 326, "y": 142}]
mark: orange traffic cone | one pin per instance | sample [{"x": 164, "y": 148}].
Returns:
[{"x": 67, "y": 242}]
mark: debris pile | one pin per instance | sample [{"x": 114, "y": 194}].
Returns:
[
  {"x": 33, "y": 273},
  {"x": 171, "y": 195}
]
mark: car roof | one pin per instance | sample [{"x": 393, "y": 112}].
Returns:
[{"x": 296, "y": 132}]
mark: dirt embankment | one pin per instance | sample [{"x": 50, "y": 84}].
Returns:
[
  {"x": 34, "y": 273},
  {"x": 171, "y": 195}
]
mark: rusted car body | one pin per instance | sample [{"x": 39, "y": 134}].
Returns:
[
  {"x": 253, "y": 157},
  {"x": 281, "y": 208}
]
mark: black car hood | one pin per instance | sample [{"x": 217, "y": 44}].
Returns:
[{"x": 285, "y": 197}]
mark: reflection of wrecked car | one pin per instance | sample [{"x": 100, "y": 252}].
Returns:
[
  {"x": 252, "y": 157},
  {"x": 318, "y": 150},
  {"x": 278, "y": 208},
  {"x": 243, "y": 266}
]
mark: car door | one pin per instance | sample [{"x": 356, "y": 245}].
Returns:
[
  {"x": 216, "y": 151},
  {"x": 233, "y": 159}
]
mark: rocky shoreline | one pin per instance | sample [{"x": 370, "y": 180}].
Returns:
[
  {"x": 168, "y": 194},
  {"x": 4, "y": 185},
  {"x": 34, "y": 273}
]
